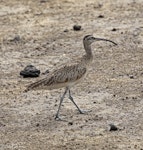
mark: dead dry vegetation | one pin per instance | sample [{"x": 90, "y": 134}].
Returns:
[{"x": 41, "y": 33}]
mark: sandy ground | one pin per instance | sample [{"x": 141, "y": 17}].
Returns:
[{"x": 113, "y": 89}]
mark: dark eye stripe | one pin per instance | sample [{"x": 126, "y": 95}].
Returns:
[{"x": 87, "y": 37}]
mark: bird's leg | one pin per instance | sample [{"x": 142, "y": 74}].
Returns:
[
  {"x": 61, "y": 100},
  {"x": 71, "y": 98}
]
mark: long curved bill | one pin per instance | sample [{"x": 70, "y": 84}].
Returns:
[{"x": 100, "y": 39}]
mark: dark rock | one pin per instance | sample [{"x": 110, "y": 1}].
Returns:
[
  {"x": 16, "y": 39},
  {"x": 77, "y": 27},
  {"x": 30, "y": 71},
  {"x": 100, "y": 16},
  {"x": 131, "y": 76},
  {"x": 70, "y": 123},
  {"x": 66, "y": 30},
  {"x": 113, "y": 127},
  {"x": 37, "y": 125},
  {"x": 43, "y": 1},
  {"x": 2, "y": 125},
  {"x": 134, "y": 97},
  {"x": 114, "y": 29}
]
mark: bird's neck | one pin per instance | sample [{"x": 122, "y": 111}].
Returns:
[
  {"x": 88, "y": 57},
  {"x": 88, "y": 51}
]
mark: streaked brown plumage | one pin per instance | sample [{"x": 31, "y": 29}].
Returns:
[
  {"x": 65, "y": 76},
  {"x": 68, "y": 75}
]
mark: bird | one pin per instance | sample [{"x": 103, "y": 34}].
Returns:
[{"x": 68, "y": 75}]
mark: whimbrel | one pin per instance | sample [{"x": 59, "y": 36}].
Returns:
[{"x": 69, "y": 74}]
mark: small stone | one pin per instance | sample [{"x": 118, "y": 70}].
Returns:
[
  {"x": 37, "y": 125},
  {"x": 30, "y": 71},
  {"x": 16, "y": 39},
  {"x": 114, "y": 29},
  {"x": 134, "y": 98},
  {"x": 70, "y": 123},
  {"x": 66, "y": 30},
  {"x": 113, "y": 127},
  {"x": 77, "y": 27},
  {"x": 43, "y": 1},
  {"x": 131, "y": 76},
  {"x": 2, "y": 125},
  {"x": 100, "y": 16}
]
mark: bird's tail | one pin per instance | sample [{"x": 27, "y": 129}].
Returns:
[{"x": 35, "y": 85}]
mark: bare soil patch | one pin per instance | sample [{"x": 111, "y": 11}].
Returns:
[{"x": 41, "y": 33}]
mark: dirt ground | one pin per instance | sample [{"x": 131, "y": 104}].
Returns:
[{"x": 41, "y": 33}]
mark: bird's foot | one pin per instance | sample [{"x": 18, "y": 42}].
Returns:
[
  {"x": 57, "y": 118},
  {"x": 84, "y": 111}
]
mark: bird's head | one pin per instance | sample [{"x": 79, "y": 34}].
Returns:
[{"x": 89, "y": 39}]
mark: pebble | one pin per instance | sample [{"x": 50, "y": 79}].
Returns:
[
  {"x": 114, "y": 29},
  {"x": 70, "y": 123},
  {"x": 43, "y": 1},
  {"x": 131, "y": 76},
  {"x": 37, "y": 125},
  {"x": 77, "y": 27},
  {"x": 66, "y": 30},
  {"x": 16, "y": 39},
  {"x": 113, "y": 127},
  {"x": 100, "y": 16}
]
